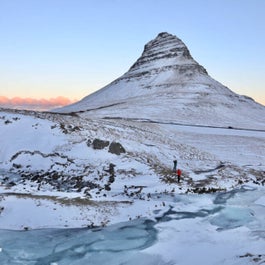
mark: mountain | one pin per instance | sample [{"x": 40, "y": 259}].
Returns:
[
  {"x": 166, "y": 84},
  {"x": 109, "y": 158}
]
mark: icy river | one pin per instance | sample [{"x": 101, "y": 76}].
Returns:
[{"x": 221, "y": 228}]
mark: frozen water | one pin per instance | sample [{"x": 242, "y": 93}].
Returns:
[
  {"x": 203, "y": 229},
  {"x": 117, "y": 243},
  {"x": 232, "y": 217}
]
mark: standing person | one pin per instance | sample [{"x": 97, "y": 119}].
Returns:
[
  {"x": 175, "y": 165},
  {"x": 179, "y": 174}
]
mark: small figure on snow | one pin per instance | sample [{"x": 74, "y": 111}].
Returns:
[
  {"x": 179, "y": 174},
  {"x": 175, "y": 165}
]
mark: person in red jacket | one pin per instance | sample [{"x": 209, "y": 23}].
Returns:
[{"x": 179, "y": 174}]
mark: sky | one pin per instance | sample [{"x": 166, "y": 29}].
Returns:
[{"x": 54, "y": 52}]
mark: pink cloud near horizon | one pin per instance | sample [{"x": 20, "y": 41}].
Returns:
[{"x": 34, "y": 104}]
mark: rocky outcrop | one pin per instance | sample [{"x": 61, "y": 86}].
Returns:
[
  {"x": 99, "y": 144},
  {"x": 116, "y": 148}
]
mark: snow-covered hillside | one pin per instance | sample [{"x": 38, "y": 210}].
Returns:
[
  {"x": 50, "y": 161},
  {"x": 109, "y": 157},
  {"x": 167, "y": 84}
]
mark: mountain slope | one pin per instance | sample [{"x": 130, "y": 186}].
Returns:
[
  {"x": 167, "y": 84},
  {"x": 58, "y": 168}
]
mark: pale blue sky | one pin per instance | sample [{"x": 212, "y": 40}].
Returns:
[{"x": 51, "y": 48}]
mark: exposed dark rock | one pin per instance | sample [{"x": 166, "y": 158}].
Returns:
[
  {"x": 8, "y": 121},
  {"x": 257, "y": 258},
  {"x": 204, "y": 190},
  {"x": 11, "y": 183},
  {"x": 41, "y": 154},
  {"x": 111, "y": 179},
  {"x": 69, "y": 128},
  {"x": 110, "y": 169},
  {"x": 107, "y": 187},
  {"x": 17, "y": 166},
  {"x": 62, "y": 127},
  {"x": 99, "y": 144},
  {"x": 89, "y": 142},
  {"x": 75, "y": 128},
  {"x": 116, "y": 148},
  {"x": 59, "y": 181}
]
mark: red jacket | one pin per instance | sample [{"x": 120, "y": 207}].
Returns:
[{"x": 179, "y": 172}]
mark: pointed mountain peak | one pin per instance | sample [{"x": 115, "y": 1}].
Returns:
[
  {"x": 166, "y": 50},
  {"x": 169, "y": 43}
]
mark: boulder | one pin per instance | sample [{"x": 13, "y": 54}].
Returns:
[
  {"x": 116, "y": 148},
  {"x": 99, "y": 144}
]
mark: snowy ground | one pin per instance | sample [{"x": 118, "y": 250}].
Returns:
[{"x": 53, "y": 176}]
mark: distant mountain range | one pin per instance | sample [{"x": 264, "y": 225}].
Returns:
[{"x": 167, "y": 84}]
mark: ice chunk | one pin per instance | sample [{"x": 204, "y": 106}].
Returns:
[{"x": 232, "y": 217}]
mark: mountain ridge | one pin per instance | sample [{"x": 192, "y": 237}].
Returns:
[{"x": 165, "y": 81}]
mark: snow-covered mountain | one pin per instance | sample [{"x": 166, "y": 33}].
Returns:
[
  {"x": 167, "y": 84},
  {"x": 109, "y": 157}
]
